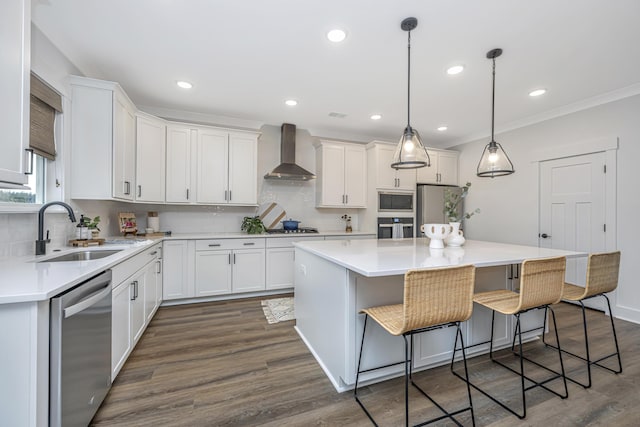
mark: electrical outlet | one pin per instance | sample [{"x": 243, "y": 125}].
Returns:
[{"x": 303, "y": 269}]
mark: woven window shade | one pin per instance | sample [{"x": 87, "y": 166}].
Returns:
[{"x": 44, "y": 104}]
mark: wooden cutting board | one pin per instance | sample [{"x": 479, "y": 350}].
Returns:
[{"x": 271, "y": 214}]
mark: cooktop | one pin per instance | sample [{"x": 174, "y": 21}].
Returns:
[{"x": 298, "y": 230}]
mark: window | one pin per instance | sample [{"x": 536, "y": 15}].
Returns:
[{"x": 46, "y": 107}]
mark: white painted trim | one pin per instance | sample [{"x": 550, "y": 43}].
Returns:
[
  {"x": 202, "y": 118},
  {"x": 336, "y": 384},
  {"x": 577, "y": 149},
  {"x": 585, "y": 104},
  {"x": 627, "y": 313}
]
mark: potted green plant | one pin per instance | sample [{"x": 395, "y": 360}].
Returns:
[
  {"x": 92, "y": 225},
  {"x": 253, "y": 225},
  {"x": 451, "y": 202}
]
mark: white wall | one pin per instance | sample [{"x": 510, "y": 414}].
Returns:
[{"x": 510, "y": 204}]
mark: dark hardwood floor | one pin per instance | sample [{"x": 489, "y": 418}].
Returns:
[{"x": 221, "y": 364}]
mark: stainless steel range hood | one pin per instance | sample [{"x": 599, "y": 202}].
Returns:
[{"x": 287, "y": 169}]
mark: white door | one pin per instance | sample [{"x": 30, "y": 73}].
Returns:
[
  {"x": 248, "y": 270},
  {"x": 213, "y": 273},
  {"x": 150, "y": 160},
  {"x": 355, "y": 176},
  {"x": 178, "y": 173},
  {"x": 572, "y": 209},
  {"x": 333, "y": 175}
]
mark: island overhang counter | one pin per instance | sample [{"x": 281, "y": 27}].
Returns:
[{"x": 334, "y": 280}]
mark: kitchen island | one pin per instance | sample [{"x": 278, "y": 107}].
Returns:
[{"x": 335, "y": 279}]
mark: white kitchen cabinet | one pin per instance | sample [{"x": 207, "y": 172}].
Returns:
[
  {"x": 279, "y": 268},
  {"x": 150, "y": 158},
  {"x": 379, "y": 158},
  {"x": 443, "y": 169},
  {"x": 120, "y": 327},
  {"x": 134, "y": 302},
  {"x": 15, "y": 45},
  {"x": 178, "y": 264},
  {"x": 213, "y": 272},
  {"x": 341, "y": 170},
  {"x": 226, "y": 266},
  {"x": 180, "y": 175},
  {"x": 227, "y": 167},
  {"x": 103, "y": 136}
]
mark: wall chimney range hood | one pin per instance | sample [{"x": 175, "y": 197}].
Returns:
[{"x": 287, "y": 169}]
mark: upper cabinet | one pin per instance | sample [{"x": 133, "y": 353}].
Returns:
[
  {"x": 15, "y": 44},
  {"x": 211, "y": 165},
  {"x": 180, "y": 174},
  {"x": 227, "y": 167},
  {"x": 150, "y": 158},
  {"x": 443, "y": 169},
  {"x": 103, "y": 132},
  {"x": 341, "y": 170},
  {"x": 380, "y": 156}
]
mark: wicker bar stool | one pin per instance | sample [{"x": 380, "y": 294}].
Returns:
[
  {"x": 433, "y": 299},
  {"x": 602, "y": 277},
  {"x": 540, "y": 286}
]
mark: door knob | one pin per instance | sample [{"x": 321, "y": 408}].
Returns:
[{"x": 544, "y": 235}]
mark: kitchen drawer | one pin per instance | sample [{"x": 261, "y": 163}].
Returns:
[
  {"x": 223, "y": 244},
  {"x": 287, "y": 242},
  {"x": 125, "y": 269}
]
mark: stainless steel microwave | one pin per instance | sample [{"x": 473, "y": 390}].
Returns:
[{"x": 395, "y": 202}]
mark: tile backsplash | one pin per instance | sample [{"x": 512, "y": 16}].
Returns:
[{"x": 19, "y": 231}]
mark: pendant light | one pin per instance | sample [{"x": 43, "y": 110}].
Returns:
[
  {"x": 494, "y": 161},
  {"x": 410, "y": 152}
]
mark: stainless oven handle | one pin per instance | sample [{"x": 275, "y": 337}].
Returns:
[
  {"x": 87, "y": 302},
  {"x": 385, "y": 225}
]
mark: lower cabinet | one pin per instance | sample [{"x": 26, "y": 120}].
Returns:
[
  {"x": 279, "y": 273},
  {"x": 178, "y": 269},
  {"x": 134, "y": 302},
  {"x": 226, "y": 266}
]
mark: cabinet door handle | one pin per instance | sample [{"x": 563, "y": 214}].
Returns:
[
  {"x": 346, "y": 197},
  {"x": 249, "y": 243},
  {"x": 229, "y": 259},
  {"x": 153, "y": 253},
  {"x": 234, "y": 258},
  {"x": 133, "y": 291},
  {"x": 225, "y": 195},
  {"x": 214, "y": 245},
  {"x": 187, "y": 194},
  {"x": 158, "y": 267},
  {"x": 229, "y": 195},
  {"x": 30, "y": 170},
  {"x": 127, "y": 187}
]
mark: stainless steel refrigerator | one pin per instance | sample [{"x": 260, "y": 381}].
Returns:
[{"x": 430, "y": 201}]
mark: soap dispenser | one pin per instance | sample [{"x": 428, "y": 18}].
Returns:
[{"x": 82, "y": 231}]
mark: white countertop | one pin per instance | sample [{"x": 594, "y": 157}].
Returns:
[
  {"x": 387, "y": 257},
  {"x": 26, "y": 279}
]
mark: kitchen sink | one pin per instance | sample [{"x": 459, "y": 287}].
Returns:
[{"x": 82, "y": 256}]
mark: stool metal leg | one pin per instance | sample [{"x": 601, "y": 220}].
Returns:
[
  {"x": 355, "y": 390},
  {"x": 587, "y": 359}
]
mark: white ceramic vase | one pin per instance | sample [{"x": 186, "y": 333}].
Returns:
[
  {"x": 456, "y": 237},
  {"x": 437, "y": 233}
]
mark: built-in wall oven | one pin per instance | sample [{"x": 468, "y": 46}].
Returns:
[
  {"x": 395, "y": 228},
  {"x": 80, "y": 352},
  {"x": 395, "y": 201}
]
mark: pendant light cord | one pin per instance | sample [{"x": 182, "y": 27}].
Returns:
[
  {"x": 409, "y": 79},
  {"x": 493, "y": 96}
]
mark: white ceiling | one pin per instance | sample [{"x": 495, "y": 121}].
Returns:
[{"x": 246, "y": 57}]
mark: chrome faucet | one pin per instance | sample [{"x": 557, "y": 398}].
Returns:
[{"x": 41, "y": 243}]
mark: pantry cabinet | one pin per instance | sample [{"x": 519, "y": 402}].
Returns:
[
  {"x": 102, "y": 141},
  {"x": 150, "y": 158},
  {"x": 15, "y": 36},
  {"x": 341, "y": 170},
  {"x": 379, "y": 158},
  {"x": 443, "y": 169}
]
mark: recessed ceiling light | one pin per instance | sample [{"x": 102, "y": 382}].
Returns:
[
  {"x": 291, "y": 102},
  {"x": 537, "y": 92},
  {"x": 376, "y": 116},
  {"x": 442, "y": 128},
  {"x": 337, "y": 35},
  {"x": 184, "y": 85},
  {"x": 456, "y": 69}
]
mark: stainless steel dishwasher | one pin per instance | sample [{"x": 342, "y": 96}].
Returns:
[{"x": 80, "y": 352}]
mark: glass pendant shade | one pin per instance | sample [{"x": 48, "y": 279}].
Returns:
[
  {"x": 410, "y": 152},
  {"x": 494, "y": 162}
]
